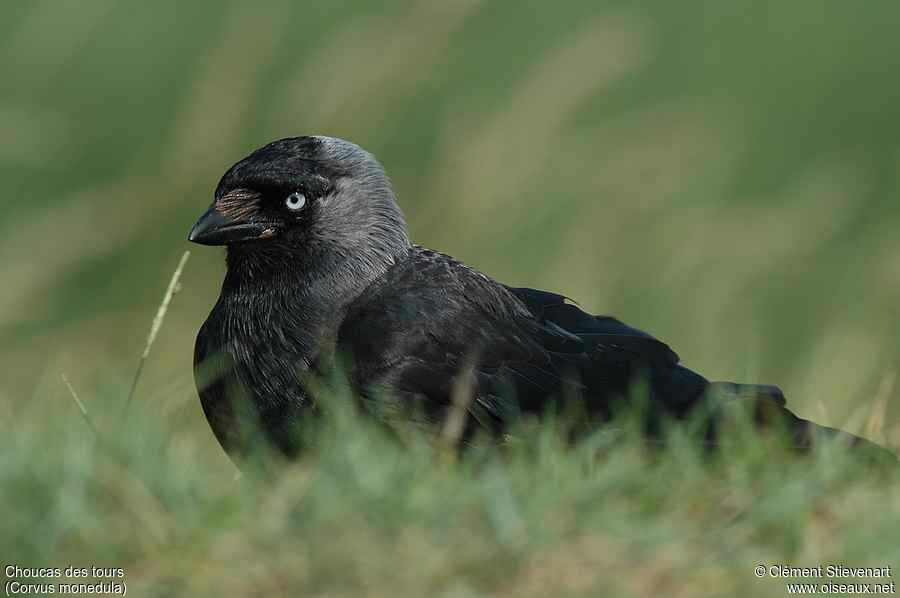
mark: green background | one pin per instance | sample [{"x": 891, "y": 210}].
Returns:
[{"x": 725, "y": 175}]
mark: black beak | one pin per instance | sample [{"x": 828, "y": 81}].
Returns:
[{"x": 214, "y": 228}]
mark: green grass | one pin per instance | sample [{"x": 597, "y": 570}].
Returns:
[
  {"x": 366, "y": 514},
  {"x": 725, "y": 175}
]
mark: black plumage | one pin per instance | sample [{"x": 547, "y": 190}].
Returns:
[{"x": 319, "y": 265}]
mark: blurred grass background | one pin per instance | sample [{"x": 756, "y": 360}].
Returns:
[{"x": 725, "y": 175}]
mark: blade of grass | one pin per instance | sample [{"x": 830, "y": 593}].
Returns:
[
  {"x": 157, "y": 324},
  {"x": 463, "y": 397},
  {"x": 81, "y": 408},
  {"x": 874, "y": 427}
]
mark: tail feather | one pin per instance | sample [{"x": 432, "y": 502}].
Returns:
[{"x": 767, "y": 407}]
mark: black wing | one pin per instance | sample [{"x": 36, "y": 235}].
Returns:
[
  {"x": 433, "y": 326},
  {"x": 615, "y": 356},
  {"x": 674, "y": 390}
]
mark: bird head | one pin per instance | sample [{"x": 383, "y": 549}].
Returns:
[{"x": 303, "y": 196}]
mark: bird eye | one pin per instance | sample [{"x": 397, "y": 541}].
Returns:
[{"x": 295, "y": 201}]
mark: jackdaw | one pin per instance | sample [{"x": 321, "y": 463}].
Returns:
[{"x": 319, "y": 265}]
